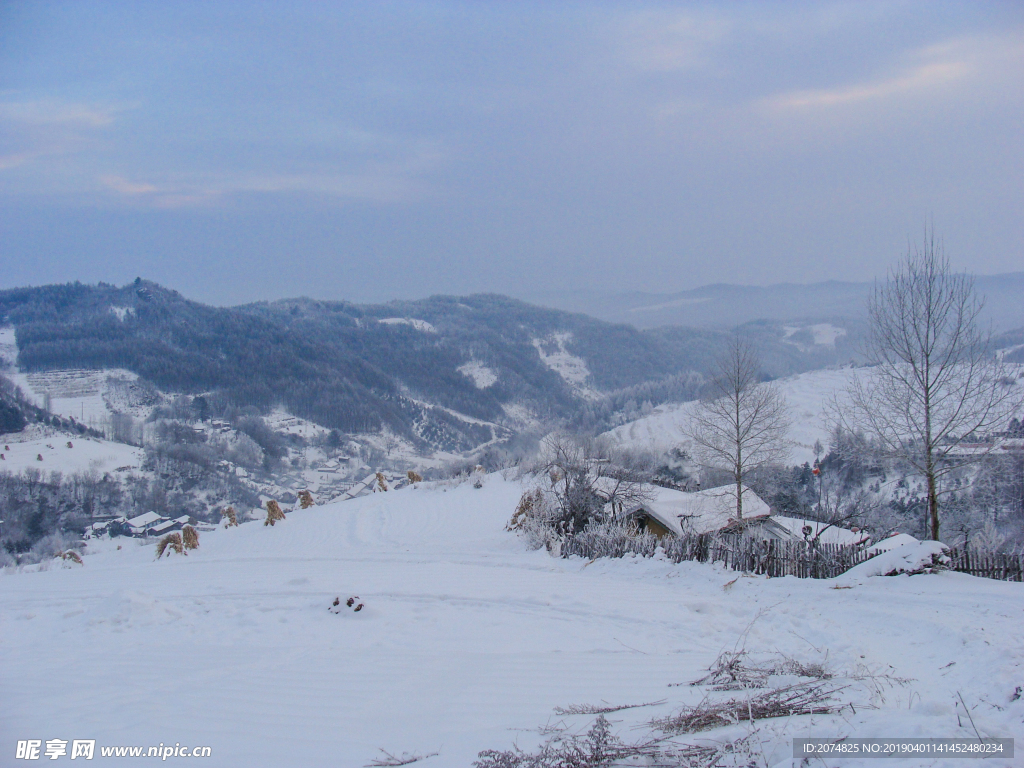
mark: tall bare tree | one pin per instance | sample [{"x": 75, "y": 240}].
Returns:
[
  {"x": 936, "y": 383},
  {"x": 740, "y": 426}
]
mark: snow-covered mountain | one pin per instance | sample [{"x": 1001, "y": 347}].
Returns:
[
  {"x": 445, "y": 373},
  {"x": 725, "y": 306}
]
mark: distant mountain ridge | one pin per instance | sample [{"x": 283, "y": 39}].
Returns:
[
  {"x": 725, "y": 305},
  {"x": 448, "y": 372}
]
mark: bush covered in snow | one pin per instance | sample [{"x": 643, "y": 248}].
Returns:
[
  {"x": 915, "y": 557},
  {"x": 613, "y": 538}
]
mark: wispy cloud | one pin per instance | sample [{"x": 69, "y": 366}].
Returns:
[
  {"x": 37, "y": 131},
  {"x": 15, "y": 159},
  {"x": 384, "y": 186},
  {"x": 52, "y": 112},
  {"x": 125, "y": 187},
  {"x": 923, "y": 77},
  {"x": 930, "y": 69},
  {"x": 669, "y": 41}
]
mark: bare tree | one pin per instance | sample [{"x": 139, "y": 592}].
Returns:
[
  {"x": 936, "y": 384},
  {"x": 391, "y": 441},
  {"x": 740, "y": 426},
  {"x": 839, "y": 506}
]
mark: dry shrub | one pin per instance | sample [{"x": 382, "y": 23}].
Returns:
[
  {"x": 414, "y": 477},
  {"x": 382, "y": 483},
  {"x": 613, "y": 538},
  {"x": 231, "y": 516},
  {"x": 306, "y": 499},
  {"x": 593, "y": 709},
  {"x": 70, "y": 554},
  {"x": 811, "y": 698},
  {"x": 274, "y": 512},
  {"x": 530, "y": 502},
  {"x": 190, "y": 537},
  {"x": 171, "y": 540},
  {"x": 534, "y": 521},
  {"x": 600, "y": 748},
  {"x": 734, "y": 671},
  {"x": 389, "y": 760}
]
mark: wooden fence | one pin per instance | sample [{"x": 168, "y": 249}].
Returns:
[
  {"x": 819, "y": 561},
  {"x": 990, "y": 565},
  {"x": 767, "y": 557}
]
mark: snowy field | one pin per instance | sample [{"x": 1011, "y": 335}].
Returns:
[
  {"x": 22, "y": 451},
  {"x": 467, "y": 641},
  {"x": 807, "y": 395}
]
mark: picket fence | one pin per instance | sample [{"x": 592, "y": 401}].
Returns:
[
  {"x": 767, "y": 557},
  {"x": 990, "y": 565},
  {"x": 819, "y": 561}
]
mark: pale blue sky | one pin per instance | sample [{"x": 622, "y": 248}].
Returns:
[{"x": 367, "y": 151}]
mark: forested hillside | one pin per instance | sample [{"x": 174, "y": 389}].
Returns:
[{"x": 358, "y": 368}]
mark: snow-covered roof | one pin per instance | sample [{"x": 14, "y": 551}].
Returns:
[
  {"x": 183, "y": 519},
  {"x": 825, "y": 534},
  {"x": 700, "y": 511},
  {"x": 143, "y": 520},
  {"x": 163, "y": 526}
]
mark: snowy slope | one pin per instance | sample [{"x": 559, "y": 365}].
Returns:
[
  {"x": 807, "y": 395},
  {"x": 573, "y": 369},
  {"x": 89, "y": 396},
  {"x": 22, "y": 451},
  {"x": 8, "y": 348},
  {"x": 466, "y": 642}
]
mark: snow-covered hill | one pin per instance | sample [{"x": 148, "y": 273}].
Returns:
[
  {"x": 807, "y": 395},
  {"x": 467, "y": 641},
  {"x": 45, "y": 449}
]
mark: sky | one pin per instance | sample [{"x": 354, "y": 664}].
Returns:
[{"x": 370, "y": 151}]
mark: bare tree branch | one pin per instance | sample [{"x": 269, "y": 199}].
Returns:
[
  {"x": 936, "y": 384},
  {"x": 741, "y": 425}
]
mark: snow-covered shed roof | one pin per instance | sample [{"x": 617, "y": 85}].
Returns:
[
  {"x": 700, "y": 511},
  {"x": 164, "y": 527},
  {"x": 825, "y": 534},
  {"x": 145, "y": 519}
]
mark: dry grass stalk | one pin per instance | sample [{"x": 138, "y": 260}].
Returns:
[
  {"x": 810, "y": 698},
  {"x": 382, "y": 482},
  {"x": 590, "y": 709},
  {"x": 414, "y": 477},
  {"x": 171, "y": 540},
  {"x": 306, "y": 499},
  {"x": 231, "y": 515},
  {"x": 274, "y": 512},
  {"x": 405, "y": 758},
  {"x": 190, "y": 537},
  {"x": 732, "y": 671},
  {"x": 600, "y": 748}
]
